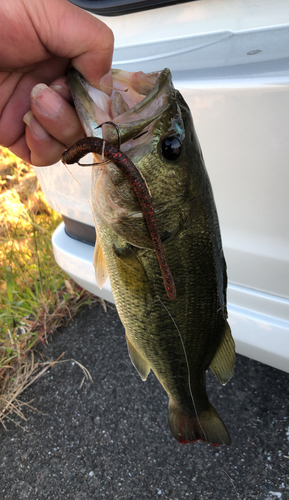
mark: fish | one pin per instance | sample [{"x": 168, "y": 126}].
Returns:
[{"x": 173, "y": 308}]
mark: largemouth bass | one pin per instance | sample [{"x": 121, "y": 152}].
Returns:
[{"x": 177, "y": 336}]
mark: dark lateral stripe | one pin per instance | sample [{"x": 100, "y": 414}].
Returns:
[{"x": 79, "y": 231}]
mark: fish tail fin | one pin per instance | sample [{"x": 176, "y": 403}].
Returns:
[{"x": 207, "y": 426}]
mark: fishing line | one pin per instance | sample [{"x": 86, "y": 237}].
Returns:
[
  {"x": 188, "y": 367},
  {"x": 239, "y": 498},
  {"x": 79, "y": 185}
]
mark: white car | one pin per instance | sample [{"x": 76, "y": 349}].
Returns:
[{"x": 230, "y": 61}]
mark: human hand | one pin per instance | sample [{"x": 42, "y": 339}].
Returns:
[{"x": 39, "y": 40}]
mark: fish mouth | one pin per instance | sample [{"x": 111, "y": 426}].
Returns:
[{"x": 134, "y": 102}]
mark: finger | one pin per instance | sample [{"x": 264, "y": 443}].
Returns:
[
  {"x": 20, "y": 148},
  {"x": 16, "y": 102},
  {"x": 61, "y": 86},
  {"x": 15, "y": 98},
  {"x": 44, "y": 149},
  {"x": 73, "y": 33},
  {"x": 55, "y": 114}
]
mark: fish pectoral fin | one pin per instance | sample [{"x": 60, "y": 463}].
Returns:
[
  {"x": 101, "y": 273},
  {"x": 140, "y": 364},
  {"x": 134, "y": 277},
  {"x": 127, "y": 257},
  {"x": 223, "y": 362},
  {"x": 206, "y": 426}
]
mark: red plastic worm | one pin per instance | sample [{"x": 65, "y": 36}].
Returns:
[{"x": 129, "y": 170}]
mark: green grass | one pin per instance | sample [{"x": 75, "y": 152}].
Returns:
[{"x": 36, "y": 296}]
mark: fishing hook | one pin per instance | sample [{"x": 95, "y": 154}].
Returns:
[{"x": 118, "y": 146}]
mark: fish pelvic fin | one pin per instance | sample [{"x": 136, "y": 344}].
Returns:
[
  {"x": 207, "y": 427},
  {"x": 138, "y": 361},
  {"x": 223, "y": 362},
  {"x": 101, "y": 273}
]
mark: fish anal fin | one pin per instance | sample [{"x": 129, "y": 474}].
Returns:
[
  {"x": 224, "y": 360},
  {"x": 101, "y": 273},
  {"x": 138, "y": 361},
  {"x": 207, "y": 427}
]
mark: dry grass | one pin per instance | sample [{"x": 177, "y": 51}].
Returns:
[{"x": 36, "y": 297}]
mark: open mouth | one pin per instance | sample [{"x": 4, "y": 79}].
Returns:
[
  {"x": 134, "y": 102},
  {"x": 129, "y": 89}
]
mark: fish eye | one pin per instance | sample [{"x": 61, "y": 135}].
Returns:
[{"x": 171, "y": 148}]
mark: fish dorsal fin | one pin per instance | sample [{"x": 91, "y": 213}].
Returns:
[
  {"x": 101, "y": 273},
  {"x": 140, "y": 364},
  {"x": 223, "y": 363}
]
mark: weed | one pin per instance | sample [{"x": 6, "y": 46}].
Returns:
[{"x": 36, "y": 296}]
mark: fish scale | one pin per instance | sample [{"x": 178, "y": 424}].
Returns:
[{"x": 177, "y": 339}]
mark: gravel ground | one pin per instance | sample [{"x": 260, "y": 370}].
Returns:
[{"x": 110, "y": 438}]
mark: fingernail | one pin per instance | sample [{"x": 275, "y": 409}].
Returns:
[
  {"x": 106, "y": 83},
  {"x": 46, "y": 99},
  {"x": 35, "y": 126},
  {"x": 58, "y": 88},
  {"x": 63, "y": 90}
]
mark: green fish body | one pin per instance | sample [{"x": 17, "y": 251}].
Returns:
[{"x": 177, "y": 339}]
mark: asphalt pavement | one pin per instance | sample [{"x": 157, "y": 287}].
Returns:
[{"x": 109, "y": 439}]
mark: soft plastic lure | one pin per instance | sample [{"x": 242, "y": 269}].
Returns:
[{"x": 129, "y": 170}]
